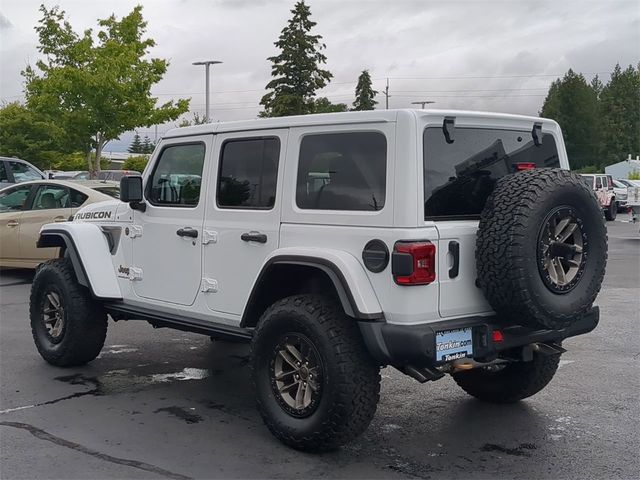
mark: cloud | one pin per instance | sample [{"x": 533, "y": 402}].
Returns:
[
  {"x": 490, "y": 55},
  {"x": 4, "y": 22}
]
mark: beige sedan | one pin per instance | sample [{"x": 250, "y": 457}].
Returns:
[{"x": 25, "y": 207}]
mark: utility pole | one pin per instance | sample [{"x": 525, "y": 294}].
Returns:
[
  {"x": 386, "y": 94},
  {"x": 423, "y": 103},
  {"x": 207, "y": 64}
]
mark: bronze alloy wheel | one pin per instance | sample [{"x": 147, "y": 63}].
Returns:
[
  {"x": 562, "y": 250},
  {"x": 53, "y": 315},
  {"x": 296, "y": 375}
]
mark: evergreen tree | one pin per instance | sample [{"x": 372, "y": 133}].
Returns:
[
  {"x": 597, "y": 86},
  {"x": 147, "y": 145},
  {"x": 620, "y": 110},
  {"x": 136, "y": 144},
  {"x": 365, "y": 94},
  {"x": 574, "y": 105},
  {"x": 296, "y": 70}
]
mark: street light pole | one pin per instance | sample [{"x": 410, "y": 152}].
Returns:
[
  {"x": 207, "y": 64},
  {"x": 426, "y": 102}
]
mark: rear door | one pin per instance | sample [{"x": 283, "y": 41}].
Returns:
[
  {"x": 458, "y": 178},
  {"x": 12, "y": 202},
  {"x": 242, "y": 223},
  {"x": 50, "y": 204}
]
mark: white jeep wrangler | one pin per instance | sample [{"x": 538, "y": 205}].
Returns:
[{"x": 436, "y": 242}]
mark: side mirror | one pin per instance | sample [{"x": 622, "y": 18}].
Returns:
[
  {"x": 51, "y": 175},
  {"x": 131, "y": 191}
]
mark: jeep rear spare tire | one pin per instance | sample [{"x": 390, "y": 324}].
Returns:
[{"x": 541, "y": 248}]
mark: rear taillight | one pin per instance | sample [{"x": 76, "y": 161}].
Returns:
[
  {"x": 525, "y": 166},
  {"x": 414, "y": 263}
]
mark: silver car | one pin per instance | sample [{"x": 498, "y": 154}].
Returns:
[{"x": 14, "y": 170}]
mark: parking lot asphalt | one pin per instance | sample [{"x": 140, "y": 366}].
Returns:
[{"x": 167, "y": 404}]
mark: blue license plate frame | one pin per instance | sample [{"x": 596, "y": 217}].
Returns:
[{"x": 454, "y": 344}]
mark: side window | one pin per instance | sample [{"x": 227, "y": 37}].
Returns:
[
  {"x": 588, "y": 180},
  {"x": 50, "y": 197},
  {"x": 598, "y": 182},
  {"x": 177, "y": 175},
  {"x": 23, "y": 172},
  {"x": 76, "y": 198},
  {"x": 248, "y": 173},
  {"x": 3, "y": 173},
  {"x": 342, "y": 171},
  {"x": 14, "y": 199}
]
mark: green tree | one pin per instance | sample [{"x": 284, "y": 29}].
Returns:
[
  {"x": 136, "y": 144},
  {"x": 147, "y": 145},
  {"x": 32, "y": 137},
  {"x": 574, "y": 105},
  {"x": 197, "y": 120},
  {"x": 136, "y": 163},
  {"x": 323, "y": 105},
  {"x": 597, "y": 86},
  {"x": 97, "y": 86},
  {"x": 620, "y": 112},
  {"x": 296, "y": 71},
  {"x": 365, "y": 94}
]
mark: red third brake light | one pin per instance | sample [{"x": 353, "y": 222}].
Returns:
[
  {"x": 414, "y": 263},
  {"x": 525, "y": 166},
  {"x": 497, "y": 336}
]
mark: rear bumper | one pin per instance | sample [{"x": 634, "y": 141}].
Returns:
[{"x": 400, "y": 345}]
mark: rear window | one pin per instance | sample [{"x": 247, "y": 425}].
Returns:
[
  {"x": 342, "y": 171},
  {"x": 111, "y": 191},
  {"x": 460, "y": 176}
]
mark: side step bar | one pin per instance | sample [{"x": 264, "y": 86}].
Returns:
[{"x": 159, "y": 319}]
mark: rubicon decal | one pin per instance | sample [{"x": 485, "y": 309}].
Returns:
[{"x": 92, "y": 215}]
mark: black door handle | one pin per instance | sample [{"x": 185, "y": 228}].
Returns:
[
  {"x": 254, "y": 237},
  {"x": 187, "y": 232},
  {"x": 454, "y": 249}
]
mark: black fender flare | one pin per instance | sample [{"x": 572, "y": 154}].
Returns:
[
  {"x": 62, "y": 239},
  {"x": 327, "y": 267}
]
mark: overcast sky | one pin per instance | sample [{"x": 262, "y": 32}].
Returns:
[{"x": 479, "y": 55}]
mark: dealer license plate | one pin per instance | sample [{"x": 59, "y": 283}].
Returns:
[{"x": 454, "y": 344}]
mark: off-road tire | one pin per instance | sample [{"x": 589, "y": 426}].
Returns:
[
  {"x": 612, "y": 211},
  {"x": 513, "y": 382},
  {"x": 350, "y": 385},
  {"x": 509, "y": 268},
  {"x": 84, "y": 321}
]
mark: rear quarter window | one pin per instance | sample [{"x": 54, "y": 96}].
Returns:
[
  {"x": 460, "y": 176},
  {"x": 342, "y": 171}
]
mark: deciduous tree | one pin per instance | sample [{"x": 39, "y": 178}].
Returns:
[
  {"x": 32, "y": 137},
  {"x": 97, "y": 85}
]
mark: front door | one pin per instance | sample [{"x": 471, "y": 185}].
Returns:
[
  {"x": 167, "y": 255},
  {"x": 242, "y": 223}
]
